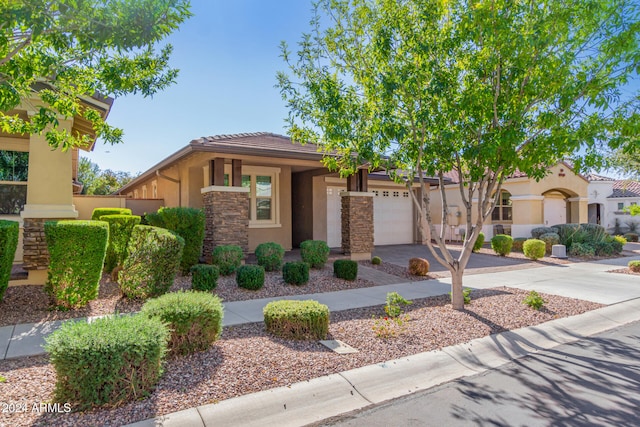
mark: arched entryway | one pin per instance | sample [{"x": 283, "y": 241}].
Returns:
[
  {"x": 596, "y": 213},
  {"x": 557, "y": 206}
]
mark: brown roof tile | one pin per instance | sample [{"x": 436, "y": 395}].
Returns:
[{"x": 625, "y": 188}]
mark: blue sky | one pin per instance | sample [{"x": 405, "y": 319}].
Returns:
[{"x": 228, "y": 56}]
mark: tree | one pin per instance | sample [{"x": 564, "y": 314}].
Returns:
[
  {"x": 64, "y": 51},
  {"x": 98, "y": 182},
  {"x": 625, "y": 161},
  {"x": 482, "y": 88}
]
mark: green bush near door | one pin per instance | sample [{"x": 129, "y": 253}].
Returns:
[{"x": 9, "y": 232}]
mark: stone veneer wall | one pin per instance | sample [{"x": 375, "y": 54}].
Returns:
[
  {"x": 227, "y": 220},
  {"x": 36, "y": 254},
  {"x": 357, "y": 224}
]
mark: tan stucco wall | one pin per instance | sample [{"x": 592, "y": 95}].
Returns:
[{"x": 86, "y": 204}]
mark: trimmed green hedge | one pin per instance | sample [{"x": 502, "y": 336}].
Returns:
[
  {"x": 295, "y": 273},
  {"x": 152, "y": 262},
  {"x": 204, "y": 277},
  {"x": 228, "y": 258},
  {"x": 345, "y": 269},
  {"x": 98, "y": 212},
  {"x": 109, "y": 361},
  {"x": 250, "y": 277},
  {"x": 297, "y": 319},
  {"x": 187, "y": 223},
  {"x": 9, "y": 232},
  {"x": 270, "y": 255},
  {"x": 479, "y": 242},
  {"x": 120, "y": 228},
  {"x": 501, "y": 244},
  {"x": 194, "y": 319},
  {"x": 534, "y": 249},
  {"x": 314, "y": 252},
  {"x": 77, "y": 250}
]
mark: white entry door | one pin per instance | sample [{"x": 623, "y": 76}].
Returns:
[{"x": 555, "y": 211}]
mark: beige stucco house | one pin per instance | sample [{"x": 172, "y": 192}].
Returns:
[{"x": 279, "y": 191}]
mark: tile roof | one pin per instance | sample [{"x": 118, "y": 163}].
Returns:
[
  {"x": 625, "y": 188},
  {"x": 594, "y": 177},
  {"x": 264, "y": 143}
]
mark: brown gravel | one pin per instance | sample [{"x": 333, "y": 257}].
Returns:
[
  {"x": 625, "y": 270},
  {"x": 402, "y": 272},
  {"x": 247, "y": 352}
]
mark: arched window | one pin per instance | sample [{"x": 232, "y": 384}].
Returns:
[{"x": 503, "y": 210}]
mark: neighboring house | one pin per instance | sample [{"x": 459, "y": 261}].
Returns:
[
  {"x": 608, "y": 199},
  {"x": 260, "y": 187}
]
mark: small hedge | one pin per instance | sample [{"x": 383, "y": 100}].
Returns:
[
  {"x": 533, "y": 249},
  {"x": 539, "y": 231},
  {"x": 77, "y": 250},
  {"x": 228, "y": 258},
  {"x": 296, "y": 273},
  {"x": 634, "y": 266},
  {"x": 418, "y": 266},
  {"x": 479, "y": 242},
  {"x": 270, "y": 255},
  {"x": 582, "y": 250},
  {"x": 314, "y": 252},
  {"x": 187, "y": 223},
  {"x": 250, "y": 277},
  {"x": 120, "y": 228},
  {"x": 110, "y": 361},
  {"x": 204, "y": 277},
  {"x": 631, "y": 237},
  {"x": 99, "y": 212},
  {"x": 549, "y": 240},
  {"x": 9, "y": 232},
  {"x": 501, "y": 244},
  {"x": 297, "y": 320},
  {"x": 376, "y": 260},
  {"x": 153, "y": 259},
  {"x": 194, "y": 319},
  {"x": 345, "y": 269},
  {"x": 516, "y": 245}
]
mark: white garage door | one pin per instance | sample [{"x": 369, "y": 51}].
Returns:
[{"x": 392, "y": 217}]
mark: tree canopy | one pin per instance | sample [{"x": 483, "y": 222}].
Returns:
[
  {"x": 98, "y": 182},
  {"x": 482, "y": 88},
  {"x": 68, "y": 50}
]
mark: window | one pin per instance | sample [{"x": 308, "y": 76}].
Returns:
[
  {"x": 262, "y": 183},
  {"x": 144, "y": 191},
  {"x": 503, "y": 209},
  {"x": 154, "y": 189},
  {"x": 620, "y": 206},
  {"x": 14, "y": 172}
]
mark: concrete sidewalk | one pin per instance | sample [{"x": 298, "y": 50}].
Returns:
[{"x": 589, "y": 281}]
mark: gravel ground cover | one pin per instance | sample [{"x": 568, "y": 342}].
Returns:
[
  {"x": 402, "y": 272},
  {"x": 246, "y": 359}
]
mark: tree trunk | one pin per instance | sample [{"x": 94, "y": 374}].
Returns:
[{"x": 457, "y": 299}]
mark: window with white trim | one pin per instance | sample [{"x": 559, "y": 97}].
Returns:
[
  {"x": 503, "y": 210},
  {"x": 620, "y": 206},
  {"x": 154, "y": 189},
  {"x": 144, "y": 191},
  {"x": 263, "y": 184}
]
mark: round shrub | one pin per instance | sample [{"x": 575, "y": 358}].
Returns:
[
  {"x": 539, "y": 231},
  {"x": 516, "y": 245},
  {"x": 9, "y": 232},
  {"x": 533, "y": 249},
  {"x": 194, "y": 319},
  {"x": 582, "y": 250},
  {"x": 77, "y": 250},
  {"x": 99, "y": 212},
  {"x": 109, "y": 361},
  {"x": 297, "y": 320},
  {"x": 228, "y": 258},
  {"x": 270, "y": 255},
  {"x": 501, "y": 244},
  {"x": 634, "y": 266},
  {"x": 345, "y": 269},
  {"x": 631, "y": 237},
  {"x": 549, "y": 240},
  {"x": 152, "y": 263},
  {"x": 418, "y": 266},
  {"x": 314, "y": 252},
  {"x": 479, "y": 242},
  {"x": 250, "y": 277},
  {"x": 295, "y": 273},
  {"x": 204, "y": 277},
  {"x": 376, "y": 260},
  {"x": 120, "y": 228}
]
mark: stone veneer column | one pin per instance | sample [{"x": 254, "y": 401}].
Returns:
[
  {"x": 227, "y": 217},
  {"x": 357, "y": 224}
]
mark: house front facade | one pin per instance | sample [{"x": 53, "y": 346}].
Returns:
[{"x": 609, "y": 200}]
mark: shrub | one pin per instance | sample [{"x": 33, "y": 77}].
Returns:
[
  {"x": 270, "y": 255},
  {"x": 250, "y": 277},
  {"x": 187, "y": 223},
  {"x": 345, "y": 269},
  {"x": 418, "y": 266},
  {"x": 516, "y": 245},
  {"x": 501, "y": 244},
  {"x": 194, "y": 319},
  {"x": 466, "y": 295},
  {"x": 296, "y": 273},
  {"x": 297, "y": 319},
  {"x": 631, "y": 237},
  {"x": 228, "y": 258},
  {"x": 634, "y": 266},
  {"x": 620, "y": 239},
  {"x": 609, "y": 246},
  {"x": 120, "y": 228},
  {"x": 204, "y": 277},
  {"x": 534, "y": 300},
  {"x": 533, "y": 249},
  {"x": 549, "y": 240},
  {"x": 152, "y": 262},
  {"x": 589, "y": 234},
  {"x": 376, "y": 260},
  {"x": 314, "y": 252},
  {"x": 110, "y": 361},
  {"x": 9, "y": 231},
  {"x": 77, "y": 250},
  {"x": 539, "y": 231},
  {"x": 582, "y": 250},
  {"x": 479, "y": 242},
  {"x": 99, "y": 212},
  {"x": 394, "y": 304}
]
